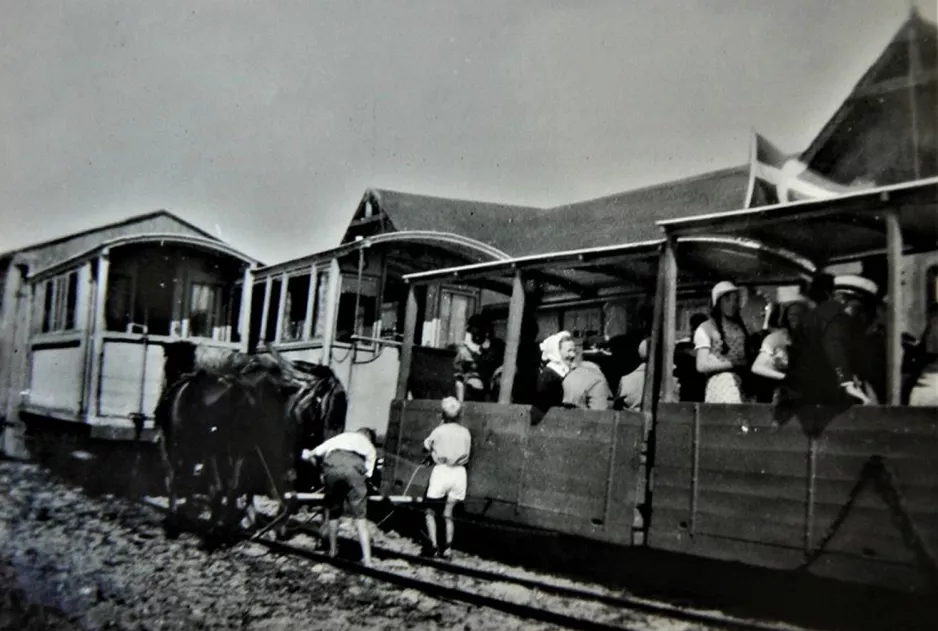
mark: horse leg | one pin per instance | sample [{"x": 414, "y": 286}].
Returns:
[{"x": 170, "y": 524}]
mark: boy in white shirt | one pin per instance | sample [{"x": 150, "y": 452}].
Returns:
[{"x": 449, "y": 445}]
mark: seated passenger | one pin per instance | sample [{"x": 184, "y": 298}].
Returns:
[
  {"x": 720, "y": 343},
  {"x": 585, "y": 386},
  {"x": 826, "y": 357},
  {"x": 557, "y": 355},
  {"x": 476, "y": 361},
  {"x": 772, "y": 360},
  {"x": 924, "y": 365},
  {"x": 691, "y": 383},
  {"x": 632, "y": 386}
]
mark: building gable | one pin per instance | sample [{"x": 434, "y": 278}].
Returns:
[{"x": 886, "y": 131}]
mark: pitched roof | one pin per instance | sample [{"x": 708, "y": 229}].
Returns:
[
  {"x": 108, "y": 226},
  {"x": 630, "y": 216},
  {"x": 500, "y": 225},
  {"x": 878, "y": 101},
  {"x": 521, "y": 230}
]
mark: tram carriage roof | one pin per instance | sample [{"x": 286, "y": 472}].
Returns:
[
  {"x": 199, "y": 243},
  {"x": 627, "y": 268},
  {"x": 833, "y": 230}
]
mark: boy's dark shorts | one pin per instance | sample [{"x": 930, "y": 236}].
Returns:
[{"x": 343, "y": 473}]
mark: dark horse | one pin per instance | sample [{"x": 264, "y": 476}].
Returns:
[{"x": 238, "y": 429}]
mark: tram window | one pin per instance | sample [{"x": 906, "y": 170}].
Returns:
[
  {"x": 119, "y": 296},
  {"x": 365, "y": 295},
  {"x": 60, "y": 303},
  {"x": 455, "y": 309},
  {"x": 319, "y": 309},
  {"x": 294, "y": 313},
  {"x": 205, "y": 309},
  {"x": 272, "y": 309},
  {"x": 234, "y": 302},
  {"x": 257, "y": 313},
  {"x": 393, "y": 304}
]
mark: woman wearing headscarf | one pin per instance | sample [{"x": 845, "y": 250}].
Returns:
[
  {"x": 557, "y": 355},
  {"x": 721, "y": 347}
]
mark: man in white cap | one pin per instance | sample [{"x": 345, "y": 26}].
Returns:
[
  {"x": 448, "y": 445},
  {"x": 827, "y": 359}
]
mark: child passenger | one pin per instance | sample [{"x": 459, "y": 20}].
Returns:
[{"x": 449, "y": 445}]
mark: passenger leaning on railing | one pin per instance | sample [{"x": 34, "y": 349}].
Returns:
[{"x": 721, "y": 347}]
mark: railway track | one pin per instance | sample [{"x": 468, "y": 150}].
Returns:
[{"x": 551, "y": 603}]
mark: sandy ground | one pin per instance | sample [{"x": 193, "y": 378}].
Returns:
[
  {"x": 73, "y": 561},
  {"x": 69, "y": 561}
]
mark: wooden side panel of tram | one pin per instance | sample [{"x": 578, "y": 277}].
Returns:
[
  {"x": 575, "y": 472},
  {"x": 732, "y": 483}
]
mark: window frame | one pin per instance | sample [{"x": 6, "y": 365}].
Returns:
[{"x": 58, "y": 305}]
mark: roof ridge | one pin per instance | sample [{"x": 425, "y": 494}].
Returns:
[
  {"x": 379, "y": 191},
  {"x": 658, "y": 185},
  {"x": 111, "y": 224}
]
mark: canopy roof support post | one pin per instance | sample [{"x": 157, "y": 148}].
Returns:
[
  {"x": 894, "y": 306},
  {"x": 513, "y": 341},
  {"x": 655, "y": 356},
  {"x": 669, "y": 320},
  {"x": 244, "y": 318},
  {"x": 407, "y": 350}
]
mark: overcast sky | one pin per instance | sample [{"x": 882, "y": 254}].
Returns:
[{"x": 270, "y": 119}]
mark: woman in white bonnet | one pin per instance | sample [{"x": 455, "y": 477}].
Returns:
[
  {"x": 720, "y": 345},
  {"x": 557, "y": 355}
]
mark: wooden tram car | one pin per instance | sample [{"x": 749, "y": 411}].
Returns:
[
  {"x": 848, "y": 494},
  {"x": 87, "y": 318}
]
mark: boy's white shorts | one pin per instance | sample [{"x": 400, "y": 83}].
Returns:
[{"x": 447, "y": 481}]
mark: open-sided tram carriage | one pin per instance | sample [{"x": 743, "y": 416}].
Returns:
[{"x": 847, "y": 494}]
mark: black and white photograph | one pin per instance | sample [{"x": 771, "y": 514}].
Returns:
[{"x": 602, "y": 315}]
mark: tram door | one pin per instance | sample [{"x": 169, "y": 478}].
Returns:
[{"x": 132, "y": 357}]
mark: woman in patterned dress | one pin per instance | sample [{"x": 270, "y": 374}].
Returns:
[{"x": 721, "y": 348}]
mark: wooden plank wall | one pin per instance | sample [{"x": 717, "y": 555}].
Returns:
[
  {"x": 575, "y": 472},
  {"x": 731, "y": 483},
  {"x": 57, "y": 378}
]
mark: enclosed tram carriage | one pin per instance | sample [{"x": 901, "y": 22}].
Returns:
[
  {"x": 847, "y": 494},
  {"x": 98, "y": 324},
  {"x": 344, "y": 308}
]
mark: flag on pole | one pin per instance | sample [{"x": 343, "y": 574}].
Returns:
[{"x": 775, "y": 178}]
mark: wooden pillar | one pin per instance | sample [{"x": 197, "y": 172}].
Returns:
[
  {"x": 668, "y": 320},
  {"x": 656, "y": 360},
  {"x": 894, "y": 307},
  {"x": 244, "y": 318},
  {"x": 407, "y": 350},
  {"x": 513, "y": 338},
  {"x": 332, "y": 311},
  {"x": 97, "y": 338},
  {"x": 16, "y": 317},
  {"x": 265, "y": 310}
]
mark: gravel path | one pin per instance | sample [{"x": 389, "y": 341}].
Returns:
[{"x": 69, "y": 561}]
